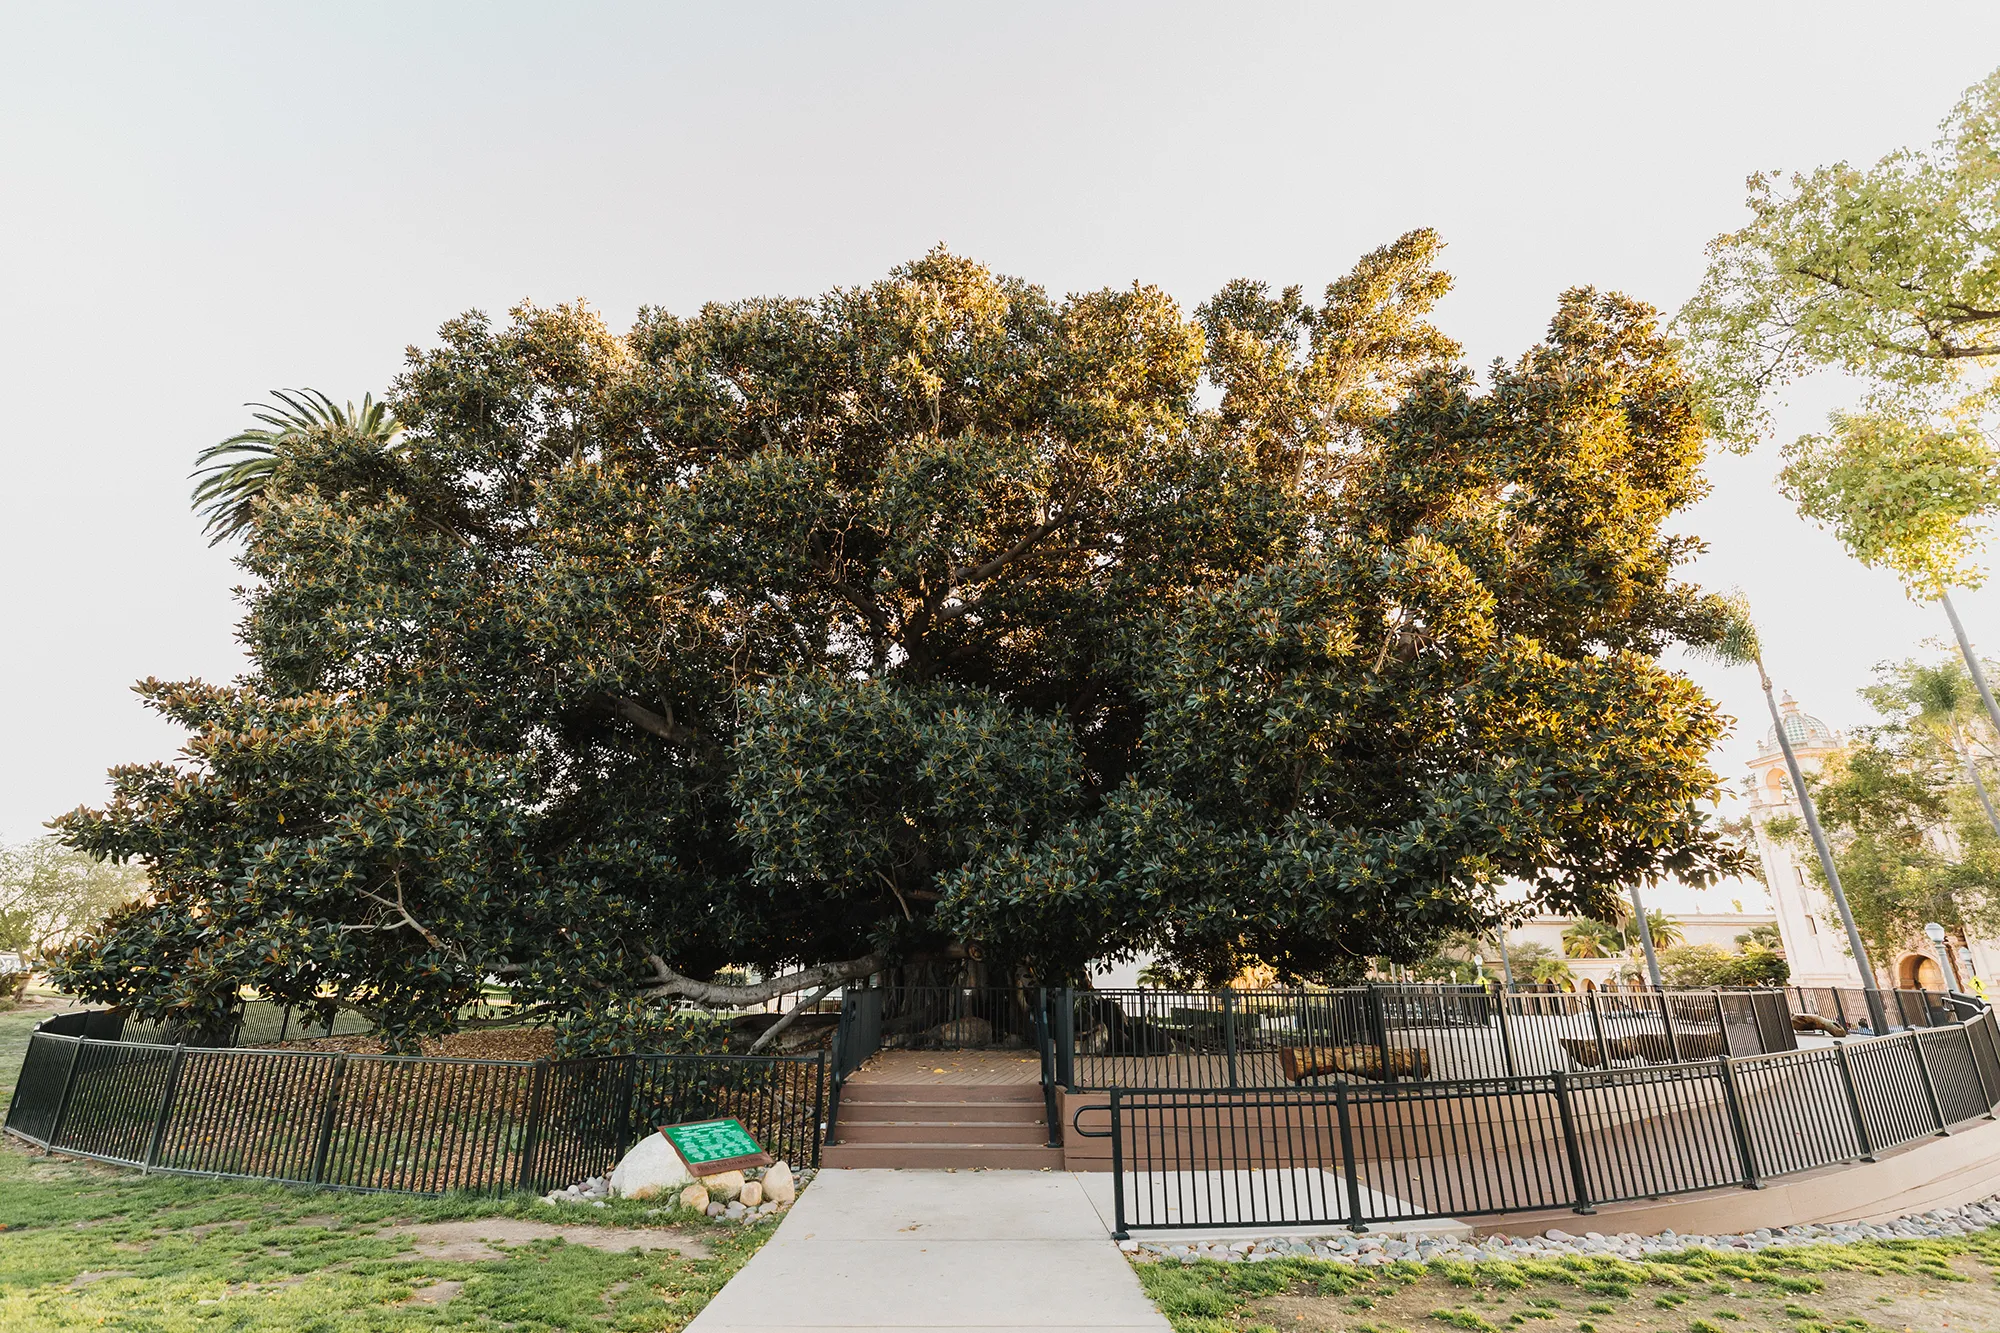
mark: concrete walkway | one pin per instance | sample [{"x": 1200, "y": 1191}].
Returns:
[{"x": 918, "y": 1250}]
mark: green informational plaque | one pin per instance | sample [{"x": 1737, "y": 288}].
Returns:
[{"x": 710, "y": 1147}]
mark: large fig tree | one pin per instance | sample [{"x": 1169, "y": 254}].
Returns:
[{"x": 931, "y": 622}]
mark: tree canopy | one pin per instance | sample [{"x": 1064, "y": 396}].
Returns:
[
  {"x": 936, "y": 621},
  {"x": 1890, "y": 273}
]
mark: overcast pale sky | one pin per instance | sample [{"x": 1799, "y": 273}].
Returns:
[{"x": 201, "y": 202}]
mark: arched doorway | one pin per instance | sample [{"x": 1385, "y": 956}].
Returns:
[{"x": 1917, "y": 971}]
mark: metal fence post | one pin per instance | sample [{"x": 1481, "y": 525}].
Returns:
[
  {"x": 531, "y": 1136},
  {"x": 1972, "y": 1055},
  {"x": 1348, "y": 1160},
  {"x": 1597, "y": 1025},
  {"x": 1229, "y": 1034},
  {"x": 1578, "y": 1183},
  {"x": 1854, "y": 1102},
  {"x": 1117, "y": 1175},
  {"x": 1667, "y": 1023},
  {"x": 166, "y": 1108},
  {"x": 1066, "y": 1039},
  {"x": 1512, "y": 1064},
  {"x": 326, "y": 1117},
  {"x": 1839, "y": 1009},
  {"x": 1930, "y": 1088},
  {"x": 62, "y": 1103},
  {"x": 1738, "y": 1125},
  {"x": 1379, "y": 1012}
]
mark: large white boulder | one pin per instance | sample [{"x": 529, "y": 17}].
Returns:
[
  {"x": 778, "y": 1184},
  {"x": 651, "y": 1169}
]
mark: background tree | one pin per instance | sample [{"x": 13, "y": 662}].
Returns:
[
  {"x": 1695, "y": 966},
  {"x": 1911, "y": 840},
  {"x": 935, "y": 623},
  {"x": 51, "y": 894},
  {"x": 1765, "y": 936},
  {"x": 1886, "y": 273}
]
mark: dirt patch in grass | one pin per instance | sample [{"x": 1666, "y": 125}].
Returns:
[
  {"x": 491, "y": 1237},
  {"x": 84, "y": 1279},
  {"x": 437, "y": 1293},
  {"x": 1943, "y": 1286}
]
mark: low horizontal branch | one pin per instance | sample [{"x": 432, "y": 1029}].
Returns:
[{"x": 666, "y": 982}]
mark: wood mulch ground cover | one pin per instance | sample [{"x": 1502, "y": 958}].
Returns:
[{"x": 499, "y": 1044}]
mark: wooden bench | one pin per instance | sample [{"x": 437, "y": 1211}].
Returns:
[
  {"x": 1651, "y": 1048},
  {"x": 1303, "y": 1062}
]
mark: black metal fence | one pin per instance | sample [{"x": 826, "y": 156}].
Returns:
[
  {"x": 1249, "y": 1039},
  {"x": 416, "y": 1124},
  {"x": 1351, "y": 1154}
]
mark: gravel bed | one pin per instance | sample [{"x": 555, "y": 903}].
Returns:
[{"x": 1554, "y": 1243}]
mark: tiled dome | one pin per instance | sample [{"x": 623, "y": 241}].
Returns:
[{"x": 1803, "y": 730}]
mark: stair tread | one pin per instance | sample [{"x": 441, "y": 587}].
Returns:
[
  {"x": 913, "y": 1119},
  {"x": 961, "y": 1147}
]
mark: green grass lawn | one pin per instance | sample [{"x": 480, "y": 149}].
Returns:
[
  {"x": 1943, "y": 1285},
  {"x": 93, "y": 1247}
]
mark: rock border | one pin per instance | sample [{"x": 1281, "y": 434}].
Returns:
[{"x": 1374, "y": 1251}]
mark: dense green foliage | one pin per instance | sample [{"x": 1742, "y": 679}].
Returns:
[
  {"x": 1700, "y": 965},
  {"x": 932, "y": 621},
  {"x": 1912, "y": 843},
  {"x": 1884, "y": 272},
  {"x": 234, "y": 473}
]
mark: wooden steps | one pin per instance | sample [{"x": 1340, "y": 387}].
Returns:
[{"x": 934, "y": 1125}]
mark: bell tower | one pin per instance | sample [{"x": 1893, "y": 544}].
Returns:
[{"x": 1816, "y": 950}]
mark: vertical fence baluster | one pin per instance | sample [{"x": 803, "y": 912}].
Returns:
[{"x": 1508, "y": 1059}]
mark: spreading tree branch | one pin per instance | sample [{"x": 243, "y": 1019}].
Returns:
[
  {"x": 771, "y": 1032},
  {"x": 662, "y": 725},
  {"x": 666, "y": 981}
]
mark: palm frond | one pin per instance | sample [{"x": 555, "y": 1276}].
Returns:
[
  {"x": 234, "y": 474},
  {"x": 1736, "y": 642}
]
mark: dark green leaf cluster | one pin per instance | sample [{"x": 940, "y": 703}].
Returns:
[{"x": 940, "y": 620}]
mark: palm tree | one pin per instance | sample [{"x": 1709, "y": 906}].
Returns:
[
  {"x": 1590, "y": 938},
  {"x": 1943, "y": 705},
  {"x": 235, "y": 473},
  {"x": 1666, "y": 931},
  {"x": 1738, "y": 645}
]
